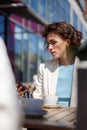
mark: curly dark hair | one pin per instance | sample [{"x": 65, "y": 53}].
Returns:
[{"x": 66, "y": 31}]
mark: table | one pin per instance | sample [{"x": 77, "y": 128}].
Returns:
[{"x": 61, "y": 118}]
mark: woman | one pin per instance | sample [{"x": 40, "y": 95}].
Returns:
[{"x": 63, "y": 41}]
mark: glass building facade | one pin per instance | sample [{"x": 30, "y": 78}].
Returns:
[{"x": 24, "y": 42}]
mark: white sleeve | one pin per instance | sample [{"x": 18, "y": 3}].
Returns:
[
  {"x": 9, "y": 109},
  {"x": 38, "y": 82}
]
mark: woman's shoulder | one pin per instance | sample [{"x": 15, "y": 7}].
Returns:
[
  {"x": 49, "y": 61},
  {"x": 51, "y": 64}
]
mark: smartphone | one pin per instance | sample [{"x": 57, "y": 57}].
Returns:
[
  {"x": 23, "y": 87},
  {"x": 28, "y": 94}
]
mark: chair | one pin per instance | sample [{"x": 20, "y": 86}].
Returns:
[{"x": 82, "y": 99}]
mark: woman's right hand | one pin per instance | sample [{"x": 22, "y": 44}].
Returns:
[{"x": 21, "y": 90}]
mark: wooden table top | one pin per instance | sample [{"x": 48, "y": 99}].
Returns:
[{"x": 61, "y": 118}]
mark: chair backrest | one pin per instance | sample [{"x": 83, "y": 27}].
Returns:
[{"x": 82, "y": 99}]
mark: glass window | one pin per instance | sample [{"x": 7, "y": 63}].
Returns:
[
  {"x": 25, "y": 54},
  {"x": 32, "y": 56},
  {"x": 65, "y": 11},
  {"x": 17, "y": 52},
  {"x": 34, "y": 5},
  {"x": 85, "y": 34},
  {"x": 81, "y": 27},
  {"x": 2, "y": 26},
  {"x": 21, "y": 52},
  {"x": 59, "y": 18},
  {"x": 41, "y": 49},
  {"x": 51, "y": 11},
  {"x": 47, "y": 10},
  {"x": 22, "y": 48},
  {"x": 27, "y": 2},
  {"x": 75, "y": 20},
  {"x": 41, "y": 7}
]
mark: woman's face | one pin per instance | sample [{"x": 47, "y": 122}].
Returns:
[{"x": 56, "y": 45}]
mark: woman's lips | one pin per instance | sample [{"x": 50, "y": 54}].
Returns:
[{"x": 53, "y": 53}]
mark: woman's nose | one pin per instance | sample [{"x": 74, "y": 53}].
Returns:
[{"x": 50, "y": 47}]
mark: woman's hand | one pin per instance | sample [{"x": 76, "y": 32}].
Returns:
[
  {"x": 21, "y": 89},
  {"x": 24, "y": 88}
]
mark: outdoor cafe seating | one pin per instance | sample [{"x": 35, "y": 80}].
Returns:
[{"x": 63, "y": 117}]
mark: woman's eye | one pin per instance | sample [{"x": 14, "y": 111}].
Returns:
[{"x": 51, "y": 43}]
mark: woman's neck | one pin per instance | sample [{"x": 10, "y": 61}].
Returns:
[
  {"x": 66, "y": 62},
  {"x": 67, "y": 59}
]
